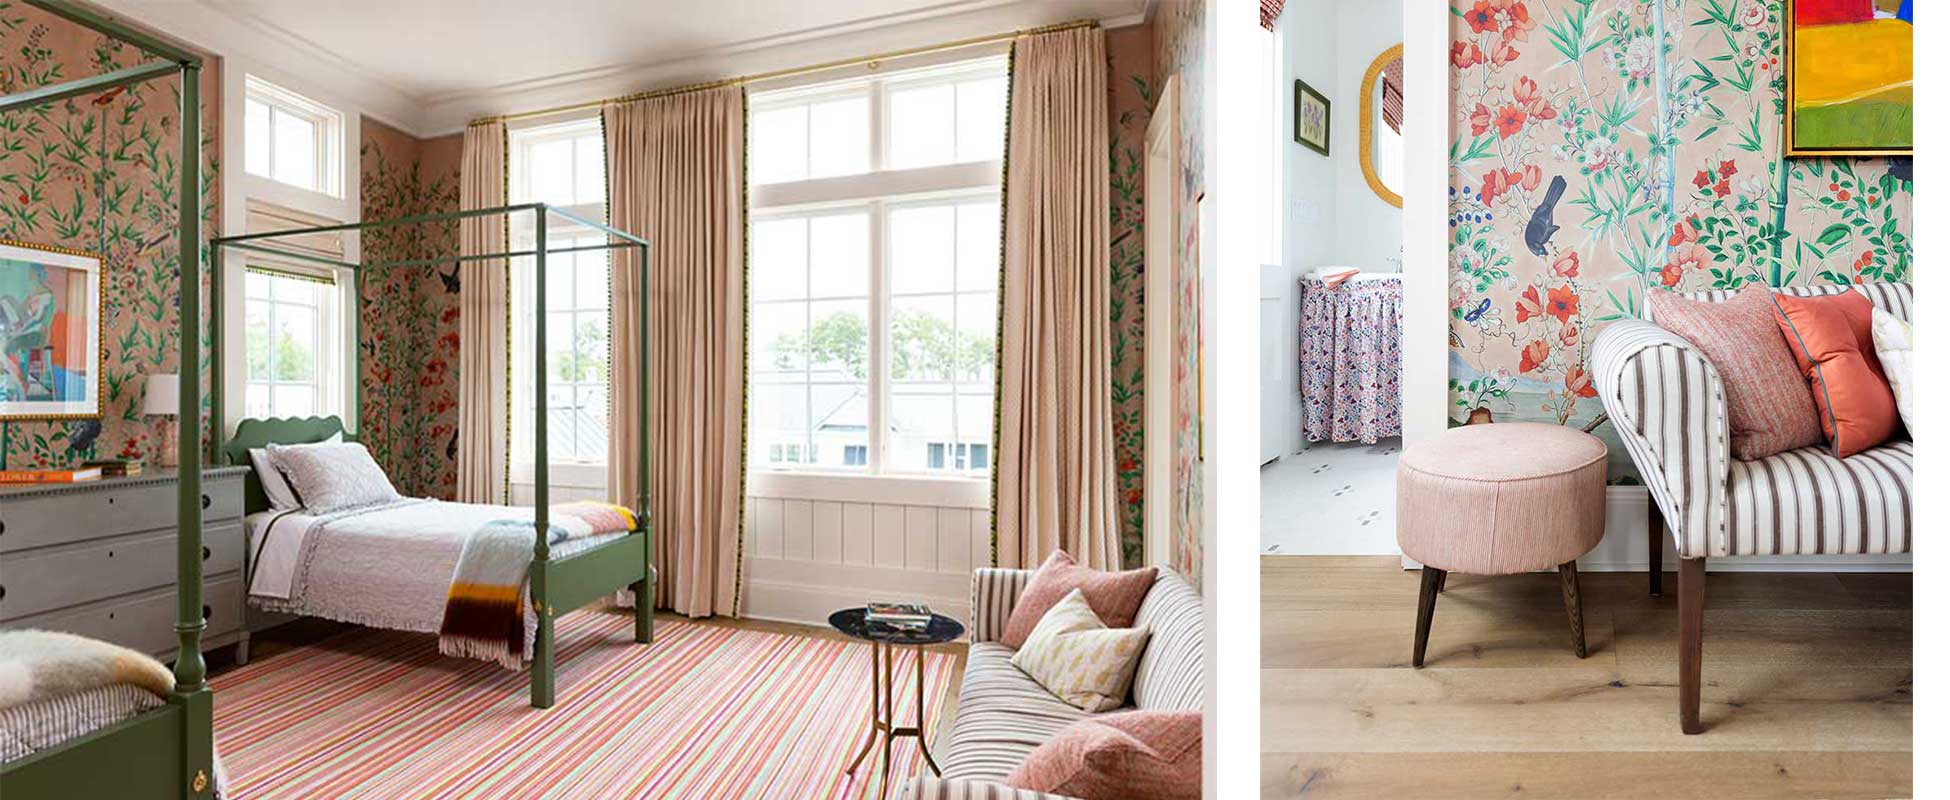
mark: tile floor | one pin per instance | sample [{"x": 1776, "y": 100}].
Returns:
[{"x": 1330, "y": 499}]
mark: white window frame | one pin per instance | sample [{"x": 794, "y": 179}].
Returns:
[
  {"x": 563, "y": 472},
  {"x": 327, "y": 147},
  {"x": 879, "y": 191},
  {"x": 330, "y": 331}
]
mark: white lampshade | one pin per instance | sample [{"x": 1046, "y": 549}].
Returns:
[{"x": 159, "y": 395}]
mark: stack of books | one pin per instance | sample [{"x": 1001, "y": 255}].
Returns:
[
  {"x": 899, "y": 616},
  {"x": 50, "y": 475},
  {"x": 117, "y": 467}
]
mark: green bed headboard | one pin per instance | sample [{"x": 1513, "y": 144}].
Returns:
[{"x": 255, "y": 433}]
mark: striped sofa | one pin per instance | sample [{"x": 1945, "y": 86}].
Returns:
[
  {"x": 1669, "y": 407},
  {"x": 1004, "y": 713}
]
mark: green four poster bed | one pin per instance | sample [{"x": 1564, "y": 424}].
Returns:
[
  {"x": 558, "y": 583},
  {"x": 165, "y": 752}
]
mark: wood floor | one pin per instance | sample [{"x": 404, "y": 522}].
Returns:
[{"x": 1806, "y": 686}]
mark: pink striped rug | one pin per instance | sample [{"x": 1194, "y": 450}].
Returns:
[{"x": 706, "y": 712}]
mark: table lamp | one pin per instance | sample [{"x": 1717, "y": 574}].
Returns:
[{"x": 160, "y": 399}]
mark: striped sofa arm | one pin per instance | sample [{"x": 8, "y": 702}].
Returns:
[
  {"x": 992, "y": 598},
  {"x": 932, "y": 788},
  {"x": 1670, "y": 408}
]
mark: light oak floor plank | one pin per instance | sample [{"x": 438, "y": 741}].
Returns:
[{"x": 1807, "y": 686}]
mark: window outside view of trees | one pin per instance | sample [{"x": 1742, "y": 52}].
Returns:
[
  {"x": 289, "y": 332},
  {"x": 873, "y": 286},
  {"x": 561, "y": 164}
]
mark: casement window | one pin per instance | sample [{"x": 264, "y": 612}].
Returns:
[
  {"x": 291, "y": 139},
  {"x": 561, "y": 164},
  {"x": 292, "y": 327},
  {"x": 874, "y": 250}
]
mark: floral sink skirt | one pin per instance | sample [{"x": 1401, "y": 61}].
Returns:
[{"x": 1351, "y": 359}]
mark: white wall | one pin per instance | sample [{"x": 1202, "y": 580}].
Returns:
[{"x": 1367, "y": 230}]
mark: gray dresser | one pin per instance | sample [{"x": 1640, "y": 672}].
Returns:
[{"x": 99, "y": 559}]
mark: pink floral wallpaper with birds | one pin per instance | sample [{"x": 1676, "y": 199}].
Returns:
[{"x": 1603, "y": 150}]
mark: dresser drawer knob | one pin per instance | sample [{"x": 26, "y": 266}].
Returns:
[
  {"x": 206, "y": 613},
  {"x": 206, "y": 501},
  {"x": 206, "y": 552},
  {"x": 3, "y": 591},
  {"x": 3, "y": 526}
]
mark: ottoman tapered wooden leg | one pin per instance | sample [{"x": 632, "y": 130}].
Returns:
[
  {"x": 1567, "y": 574},
  {"x": 1425, "y": 610},
  {"x": 1441, "y": 581},
  {"x": 1692, "y": 627}
]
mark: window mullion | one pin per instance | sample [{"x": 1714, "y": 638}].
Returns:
[{"x": 878, "y": 315}]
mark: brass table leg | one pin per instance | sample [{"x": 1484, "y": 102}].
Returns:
[{"x": 881, "y": 726}]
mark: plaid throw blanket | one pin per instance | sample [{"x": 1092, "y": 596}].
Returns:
[{"x": 484, "y": 615}]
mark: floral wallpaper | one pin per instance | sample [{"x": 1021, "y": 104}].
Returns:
[
  {"x": 1601, "y": 150},
  {"x": 409, "y": 320},
  {"x": 1132, "y": 96},
  {"x": 98, "y": 173},
  {"x": 1180, "y": 50}
]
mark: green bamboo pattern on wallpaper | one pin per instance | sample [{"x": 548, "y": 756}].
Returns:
[{"x": 98, "y": 173}]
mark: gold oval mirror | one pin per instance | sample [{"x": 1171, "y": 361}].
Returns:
[{"x": 1381, "y": 125}]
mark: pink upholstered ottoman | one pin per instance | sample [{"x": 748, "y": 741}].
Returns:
[{"x": 1500, "y": 499}]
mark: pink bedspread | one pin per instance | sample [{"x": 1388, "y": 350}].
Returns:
[{"x": 1351, "y": 359}]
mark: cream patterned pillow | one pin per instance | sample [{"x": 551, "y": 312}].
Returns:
[
  {"x": 1077, "y": 659},
  {"x": 332, "y": 477},
  {"x": 1892, "y": 338}
]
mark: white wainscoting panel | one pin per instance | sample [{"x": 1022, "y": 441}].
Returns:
[{"x": 807, "y": 557}]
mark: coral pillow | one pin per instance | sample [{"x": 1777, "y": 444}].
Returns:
[
  {"x": 1144, "y": 755},
  {"x": 1767, "y": 398},
  {"x": 1114, "y": 596},
  {"x": 1829, "y": 338}
]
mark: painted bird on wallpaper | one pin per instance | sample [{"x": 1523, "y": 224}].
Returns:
[
  {"x": 450, "y": 281},
  {"x": 1541, "y": 228}
]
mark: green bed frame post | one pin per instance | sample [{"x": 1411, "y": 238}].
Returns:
[
  {"x": 646, "y": 589},
  {"x": 541, "y": 679},
  {"x": 191, "y": 693}
]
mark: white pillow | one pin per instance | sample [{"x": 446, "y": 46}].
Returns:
[
  {"x": 1076, "y": 658},
  {"x": 276, "y": 488},
  {"x": 1892, "y": 337},
  {"x": 332, "y": 477}
]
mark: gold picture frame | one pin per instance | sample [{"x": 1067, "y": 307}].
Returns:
[{"x": 28, "y": 351}]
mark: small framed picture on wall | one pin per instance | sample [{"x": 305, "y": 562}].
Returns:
[
  {"x": 1311, "y": 113},
  {"x": 50, "y": 332}
]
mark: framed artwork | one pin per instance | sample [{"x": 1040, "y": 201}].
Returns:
[
  {"x": 1849, "y": 77},
  {"x": 50, "y": 333},
  {"x": 1311, "y": 114}
]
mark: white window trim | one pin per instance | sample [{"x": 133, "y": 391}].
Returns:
[
  {"x": 877, "y": 190},
  {"x": 336, "y": 335},
  {"x": 328, "y": 150}
]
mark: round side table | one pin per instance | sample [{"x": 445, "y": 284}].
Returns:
[{"x": 853, "y": 622}]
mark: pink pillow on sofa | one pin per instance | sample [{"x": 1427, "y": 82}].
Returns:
[
  {"x": 1114, "y": 596},
  {"x": 1769, "y": 409},
  {"x": 1142, "y": 755}
]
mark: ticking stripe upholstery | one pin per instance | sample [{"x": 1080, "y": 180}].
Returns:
[
  {"x": 28, "y": 728},
  {"x": 993, "y": 597},
  {"x": 931, "y": 788},
  {"x": 1668, "y": 404},
  {"x": 1003, "y": 715},
  {"x": 1171, "y": 676}
]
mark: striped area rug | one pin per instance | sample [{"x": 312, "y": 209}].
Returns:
[{"x": 707, "y": 711}]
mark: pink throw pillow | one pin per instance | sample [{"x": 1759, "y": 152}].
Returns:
[
  {"x": 1141, "y": 755},
  {"x": 1114, "y": 596},
  {"x": 1769, "y": 409}
]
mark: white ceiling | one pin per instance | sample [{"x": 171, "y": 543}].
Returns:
[{"x": 430, "y": 65}]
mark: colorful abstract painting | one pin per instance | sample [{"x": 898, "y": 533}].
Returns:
[
  {"x": 50, "y": 333},
  {"x": 1849, "y": 77}
]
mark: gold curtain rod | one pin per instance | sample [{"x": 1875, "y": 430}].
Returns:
[{"x": 785, "y": 73}]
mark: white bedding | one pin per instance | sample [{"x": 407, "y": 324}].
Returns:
[{"x": 387, "y": 566}]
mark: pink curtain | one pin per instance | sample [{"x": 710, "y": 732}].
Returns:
[
  {"x": 676, "y": 177},
  {"x": 1054, "y": 469},
  {"x": 483, "y": 446}
]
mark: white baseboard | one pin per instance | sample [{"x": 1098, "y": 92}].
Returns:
[
  {"x": 1623, "y": 548},
  {"x": 783, "y": 590}
]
